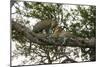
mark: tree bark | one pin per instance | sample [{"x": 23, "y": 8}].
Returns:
[{"x": 36, "y": 38}]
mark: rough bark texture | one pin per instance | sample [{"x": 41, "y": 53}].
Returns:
[{"x": 42, "y": 39}]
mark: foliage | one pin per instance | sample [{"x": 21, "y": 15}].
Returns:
[{"x": 79, "y": 19}]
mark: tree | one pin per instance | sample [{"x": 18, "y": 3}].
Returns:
[{"x": 40, "y": 48}]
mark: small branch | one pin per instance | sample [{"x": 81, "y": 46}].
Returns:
[{"x": 69, "y": 60}]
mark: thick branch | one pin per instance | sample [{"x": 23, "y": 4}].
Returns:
[{"x": 42, "y": 39}]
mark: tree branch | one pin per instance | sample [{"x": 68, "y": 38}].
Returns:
[{"x": 42, "y": 39}]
